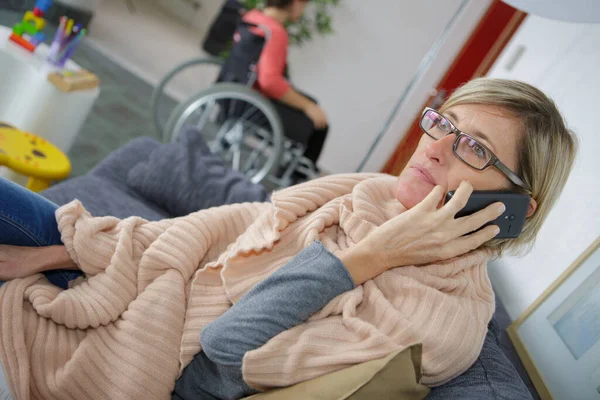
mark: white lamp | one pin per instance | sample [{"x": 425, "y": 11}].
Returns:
[{"x": 583, "y": 11}]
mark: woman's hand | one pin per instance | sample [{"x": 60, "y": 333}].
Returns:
[
  {"x": 316, "y": 115},
  {"x": 425, "y": 233},
  {"x": 19, "y": 262}
]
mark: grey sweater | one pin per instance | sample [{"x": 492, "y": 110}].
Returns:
[{"x": 285, "y": 299}]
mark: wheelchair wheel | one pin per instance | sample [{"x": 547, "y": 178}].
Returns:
[
  {"x": 237, "y": 123},
  {"x": 159, "y": 107}
]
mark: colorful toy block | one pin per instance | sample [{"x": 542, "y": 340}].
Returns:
[
  {"x": 37, "y": 38},
  {"x": 28, "y": 33},
  {"x": 18, "y": 29},
  {"x": 39, "y": 22},
  {"x": 43, "y": 5},
  {"x": 25, "y": 28},
  {"x": 22, "y": 42}
]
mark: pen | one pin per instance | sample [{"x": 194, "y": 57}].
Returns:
[
  {"x": 69, "y": 26},
  {"x": 57, "y": 40},
  {"x": 70, "y": 48}
]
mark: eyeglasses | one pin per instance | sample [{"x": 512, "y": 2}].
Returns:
[{"x": 466, "y": 148}]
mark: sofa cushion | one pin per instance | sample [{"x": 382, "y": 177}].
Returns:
[
  {"x": 104, "y": 191},
  {"x": 184, "y": 177},
  {"x": 104, "y": 197},
  {"x": 393, "y": 377},
  {"x": 491, "y": 377}
]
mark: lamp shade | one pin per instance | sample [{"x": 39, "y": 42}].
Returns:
[{"x": 584, "y": 11}]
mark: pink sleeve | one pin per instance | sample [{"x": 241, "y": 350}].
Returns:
[{"x": 271, "y": 66}]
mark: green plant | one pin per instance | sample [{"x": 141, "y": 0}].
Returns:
[{"x": 316, "y": 18}]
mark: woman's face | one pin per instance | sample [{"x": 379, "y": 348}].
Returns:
[
  {"x": 297, "y": 9},
  {"x": 433, "y": 163}
]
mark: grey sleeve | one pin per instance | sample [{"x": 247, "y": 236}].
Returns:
[{"x": 285, "y": 299}]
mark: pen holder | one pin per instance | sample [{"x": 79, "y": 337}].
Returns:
[
  {"x": 68, "y": 35},
  {"x": 56, "y": 63}
]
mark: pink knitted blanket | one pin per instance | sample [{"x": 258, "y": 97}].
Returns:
[{"x": 128, "y": 330}]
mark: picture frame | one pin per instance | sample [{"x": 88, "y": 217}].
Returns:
[{"x": 558, "y": 337}]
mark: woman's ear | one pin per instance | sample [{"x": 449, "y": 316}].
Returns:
[{"x": 531, "y": 207}]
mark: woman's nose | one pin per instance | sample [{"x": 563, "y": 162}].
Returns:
[{"x": 440, "y": 150}]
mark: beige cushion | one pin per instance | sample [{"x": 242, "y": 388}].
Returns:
[{"x": 393, "y": 377}]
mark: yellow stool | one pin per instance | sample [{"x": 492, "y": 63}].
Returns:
[{"x": 33, "y": 157}]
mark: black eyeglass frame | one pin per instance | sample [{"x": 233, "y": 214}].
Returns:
[{"x": 494, "y": 161}]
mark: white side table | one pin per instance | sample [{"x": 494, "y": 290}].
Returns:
[{"x": 31, "y": 103}]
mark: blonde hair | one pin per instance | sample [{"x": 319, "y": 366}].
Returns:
[{"x": 547, "y": 147}]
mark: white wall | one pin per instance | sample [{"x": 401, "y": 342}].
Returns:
[
  {"x": 359, "y": 72},
  {"x": 561, "y": 59},
  {"x": 198, "y": 14}
]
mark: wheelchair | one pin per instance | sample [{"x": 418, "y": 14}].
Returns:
[{"x": 237, "y": 122}]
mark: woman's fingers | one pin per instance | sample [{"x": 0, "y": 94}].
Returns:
[
  {"x": 458, "y": 201},
  {"x": 470, "y": 242},
  {"x": 432, "y": 200},
  {"x": 472, "y": 222}
]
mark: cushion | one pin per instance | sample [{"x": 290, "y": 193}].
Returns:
[
  {"x": 491, "y": 377},
  {"x": 184, "y": 177},
  {"x": 394, "y": 377},
  {"x": 104, "y": 190}
]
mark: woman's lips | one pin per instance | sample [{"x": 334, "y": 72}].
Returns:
[{"x": 424, "y": 174}]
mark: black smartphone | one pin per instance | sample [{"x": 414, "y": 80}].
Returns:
[{"x": 510, "y": 222}]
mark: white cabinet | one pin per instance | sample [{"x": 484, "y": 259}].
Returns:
[{"x": 538, "y": 46}]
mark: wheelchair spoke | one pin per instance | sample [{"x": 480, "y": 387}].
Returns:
[
  {"x": 231, "y": 107},
  {"x": 261, "y": 120},
  {"x": 250, "y": 164},
  {"x": 218, "y": 144},
  {"x": 237, "y": 156},
  {"x": 247, "y": 116},
  {"x": 257, "y": 148},
  {"x": 205, "y": 114}
]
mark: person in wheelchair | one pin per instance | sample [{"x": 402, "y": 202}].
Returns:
[
  {"x": 252, "y": 116},
  {"x": 302, "y": 118}
]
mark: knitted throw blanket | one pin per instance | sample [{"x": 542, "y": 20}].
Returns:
[{"x": 128, "y": 330}]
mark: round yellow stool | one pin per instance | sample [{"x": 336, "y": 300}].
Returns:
[{"x": 33, "y": 157}]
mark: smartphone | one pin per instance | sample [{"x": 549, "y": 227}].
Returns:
[{"x": 510, "y": 222}]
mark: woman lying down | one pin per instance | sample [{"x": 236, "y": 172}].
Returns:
[{"x": 230, "y": 301}]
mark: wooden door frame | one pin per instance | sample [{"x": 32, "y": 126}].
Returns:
[{"x": 488, "y": 39}]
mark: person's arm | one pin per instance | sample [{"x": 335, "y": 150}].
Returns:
[
  {"x": 18, "y": 262},
  {"x": 273, "y": 84},
  {"x": 296, "y": 100},
  {"x": 271, "y": 65},
  {"x": 312, "y": 110},
  {"x": 57, "y": 257},
  {"x": 285, "y": 299}
]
